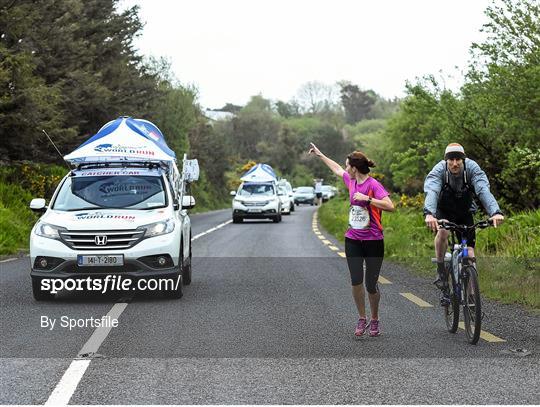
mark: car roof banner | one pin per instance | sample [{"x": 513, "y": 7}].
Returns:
[{"x": 124, "y": 139}]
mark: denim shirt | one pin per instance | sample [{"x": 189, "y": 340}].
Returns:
[{"x": 476, "y": 178}]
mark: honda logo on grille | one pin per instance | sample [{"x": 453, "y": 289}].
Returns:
[{"x": 101, "y": 240}]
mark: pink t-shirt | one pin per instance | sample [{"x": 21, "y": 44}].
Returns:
[{"x": 370, "y": 187}]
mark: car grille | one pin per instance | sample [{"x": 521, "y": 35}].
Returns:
[
  {"x": 115, "y": 239},
  {"x": 256, "y": 203}
]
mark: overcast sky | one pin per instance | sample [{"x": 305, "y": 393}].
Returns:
[{"x": 233, "y": 49}]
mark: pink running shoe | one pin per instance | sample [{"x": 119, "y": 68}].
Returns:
[
  {"x": 361, "y": 327},
  {"x": 374, "y": 328}
]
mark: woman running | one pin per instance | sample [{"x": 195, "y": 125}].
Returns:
[{"x": 364, "y": 240}]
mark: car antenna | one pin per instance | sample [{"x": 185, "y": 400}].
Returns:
[{"x": 56, "y": 148}]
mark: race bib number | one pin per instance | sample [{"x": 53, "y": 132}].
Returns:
[{"x": 358, "y": 217}]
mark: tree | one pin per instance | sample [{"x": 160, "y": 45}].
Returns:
[
  {"x": 286, "y": 110},
  {"x": 357, "y": 103},
  {"x": 316, "y": 97}
]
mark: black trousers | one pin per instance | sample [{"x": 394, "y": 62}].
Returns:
[{"x": 370, "y": 252}]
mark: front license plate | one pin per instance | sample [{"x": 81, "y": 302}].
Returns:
[
  {"x": 255, "y": 210},
  {"x": 100, "y": 260}
]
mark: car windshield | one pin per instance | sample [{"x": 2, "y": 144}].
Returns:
[
  {"x": 256, "y": 189},
  {"x": 304, "y": 190},
  {"x": 126, "y": 192}
]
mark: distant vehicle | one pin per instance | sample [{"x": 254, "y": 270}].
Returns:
[
  {"x": 286, "y": 202},
  {"x": 327, "y": 192},
  {"x": 304, "y": 195},
  {"x": 257, "y": 197},
  {"x": 256, "y": 200},
  {"x": 287, "y": 185}
]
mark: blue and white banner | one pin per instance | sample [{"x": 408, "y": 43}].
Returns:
[
  {"x": 260, "y": 173},
  {"x": 124, "y": 139}
]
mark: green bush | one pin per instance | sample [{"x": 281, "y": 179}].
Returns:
[{"x": 16, "y": 219}]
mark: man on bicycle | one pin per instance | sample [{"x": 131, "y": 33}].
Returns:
[{"x": 450, "y": 188}]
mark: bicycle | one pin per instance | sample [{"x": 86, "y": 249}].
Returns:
[{"x": 464, "y": 288}]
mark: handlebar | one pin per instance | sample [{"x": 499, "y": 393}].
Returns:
[{"x": 452, "y": 226}]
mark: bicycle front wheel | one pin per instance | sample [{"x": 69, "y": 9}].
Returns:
[
  {"x": 451, "y": 311},
  {"x": 472, "y": 308}
]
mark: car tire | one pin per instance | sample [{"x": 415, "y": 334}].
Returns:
[
  {"x": 179, "y": 291},
  {"x": 186, "y": 269},
  {"x": 275, "y": 219},
  {"x": 292, "y": 207},
  {"x": 39, "y": 294}
]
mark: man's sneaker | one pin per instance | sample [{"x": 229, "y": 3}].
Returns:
[
  {"x": 445, "y": 299},
  {"x": 374, "y": 328},
  {"x": 360, "y": 327}
]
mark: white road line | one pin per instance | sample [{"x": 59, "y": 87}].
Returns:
[
  {"x": 68, "y": 383},
  {"x": 70, "y": 380},
  {"x": 6, "y": 260},
  {"x": 99, "y": 335},
  {"x": 210, "y": 230}
]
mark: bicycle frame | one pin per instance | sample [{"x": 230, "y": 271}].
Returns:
[{"x": 458, "y": 254}]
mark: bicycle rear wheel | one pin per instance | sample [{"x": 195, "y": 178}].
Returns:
[
  {"x": 451, "y": 311},
  {"x": 472, "y": 309}
]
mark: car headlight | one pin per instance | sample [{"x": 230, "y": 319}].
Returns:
[
  {"x": 158, "y": 228},
  {"x": 49, "y": 231}
]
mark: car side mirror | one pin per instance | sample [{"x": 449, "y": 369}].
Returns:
[
  {"x": 38, "y": 205},
  {"x": 188, "y": 202},
  {"x": 233, "y": 193},
  {"x": 176, "y": 205}
]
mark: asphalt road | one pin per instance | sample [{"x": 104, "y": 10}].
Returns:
[{"x": 268, "y": 318}]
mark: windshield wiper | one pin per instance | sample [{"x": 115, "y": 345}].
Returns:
[{"x": 85, "y": 209}]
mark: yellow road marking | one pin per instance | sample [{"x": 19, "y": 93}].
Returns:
[
  {"x": 326, "y": 242},
  {"x": 341, "y": 254},
  {"x": 321, "y": 237},
  {"x": 334, "y": 248},
  {"x": 317, "y": 233},
  {"x": 418, "y": 301},
  {"x": 484, "y": 335},
  {"x": 383, "y": 280}
]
